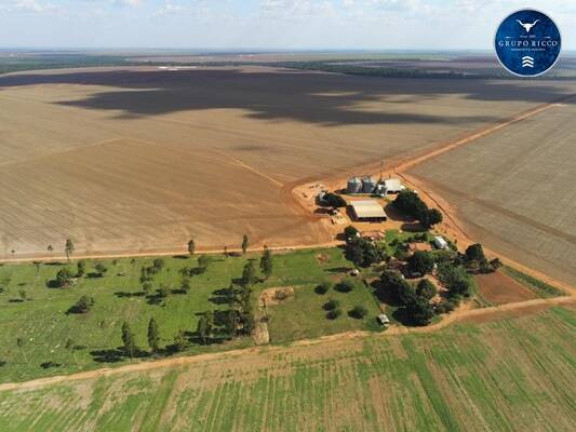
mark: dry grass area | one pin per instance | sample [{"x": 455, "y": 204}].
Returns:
[
  {"x": 515, "y": 190},
  {"x": 513, "y": 374},
  {"x": 142, "y": 159}
]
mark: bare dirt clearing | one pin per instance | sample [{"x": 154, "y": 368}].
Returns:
[
  {"x": 141, "y": 159},
  {"x": 498, "y": 288}
]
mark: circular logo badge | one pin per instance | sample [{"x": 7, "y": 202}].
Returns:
[{"x": 528, "y": 43}]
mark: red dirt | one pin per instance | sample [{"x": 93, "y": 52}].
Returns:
[{"x": 498, "y": 288}]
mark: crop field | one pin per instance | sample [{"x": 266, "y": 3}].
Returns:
[
  {"x": 513, "y": 374},
  {"x": 142, "y": 159},
  {"x": 515, "y": 190}
]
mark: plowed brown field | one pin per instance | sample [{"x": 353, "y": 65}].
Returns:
[{"x": 137, "y": 160}]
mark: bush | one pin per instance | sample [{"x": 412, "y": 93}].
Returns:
[
  {"x": 358, "y": 312},
  {"x": 420, "y": 311},
  {"x": 421, "y": 262},
  {"x": 323, "y": 288},
  {"x": 345, "y": 286},
  {"x": 63, "y": 277},
  {"x": 84, "y": 304},
  {"x": 333, "y": 314},
  {"x": 331, "y": 305},
  {"x": 333, "y": 200},
  {"x": 426, "y": 289},
  {"x": 447, "y": 305}
]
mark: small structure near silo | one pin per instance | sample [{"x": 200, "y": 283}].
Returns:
[
  {"x": 393, "y": 186},
  {"x": 383, "y": 319},
  {"x": 354, "y": 185},
  {"x": 321, "y": 197},
  {"x": 368, "y": 185},
  {"x": 368, "y": 211},
  {"x": 440, "y": 243}
]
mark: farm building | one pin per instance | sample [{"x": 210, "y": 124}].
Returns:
[
  {"x": 393, "y": 185},
  {"x": 383, "y": 319},
  {"x": 440, "y": 243},
  {"x": 354, "y": 185},
  {"x": 368, "y": 211}
]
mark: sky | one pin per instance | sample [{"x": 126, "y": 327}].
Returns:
[{"x": 268, "y": 24}]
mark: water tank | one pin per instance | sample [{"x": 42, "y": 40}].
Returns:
[
  {"x": 368, "y": 185},
  {"x": 354, "y": 185}
]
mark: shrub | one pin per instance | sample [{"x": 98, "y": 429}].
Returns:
[
  {"x": 421, "y": 262},
  {"x": 63, "y": 277},
  {"x": 345, "y": 286},
  {"x": 333, "y": 314},
  {"x": 323, "y": 288},
  {"x": 331, "y": 305},
  {"x": 358, "y": 312},
  {"x": 426, "y": 289},
  {"x": 84, "y": 304}
]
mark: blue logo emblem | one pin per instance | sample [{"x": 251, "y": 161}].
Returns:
[{"x": 528, "y": 43}]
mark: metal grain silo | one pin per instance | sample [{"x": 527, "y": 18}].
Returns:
[
  {"x": 354, "y": 185},
  {"x": 368, "y": 185}
]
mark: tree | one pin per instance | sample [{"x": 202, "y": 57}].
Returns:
[
  {"x": 334, "y": 200},
  {"x": 163, "y": 291},
  {"x": 456, "y": 279},
  {"x": 345, "y": 286},
  {"x": 37, "y": 264},
  {"x": 180, "y": 341},
  {"x": 20, "y": 344},
  {"x": 399, "y": 289},
  {"x": 358, "y": 312},
  {"x": 50, "y": 249},
  {"x": 350, "y": 233},
  {"x": 204, "y": 329},
  {"x": 266, "y": 263},
  {"x": 185, "y": 286},
  {"x": 153, "y": 335},
  {"x": 475, "y": 252},
  {"x": 331, "y": 305},
  {"x": 203, "y": 262},
  {"x": 363, "y": 253},
  {"x": 64, "y": 277},
  {"x": 226, "y": 252},
  {"x": 191, "y": 247},
  {"x": 158, "y": 264},
  {"x": 323, "y": 288},
  {"x": 101, "y": 269},
  {"x": 69, "y": 248},
  {"x": 147, "y": 288},
  {"x": 421, "y": 262},
  {"x": 80, "y": 268},
  {"x": 128, "y": 339},
  {"x": 84, "y": 304},
  {"x": 23, "y": 294},
  {"x": 249, "y": 274},
  {"x": 426, "y": 289},
  {"x": 420, "y": 311},
  {"x": 430, "y": 217},
  {"x": 245, "y": 244},
  {"x": 333, "y": 314}
]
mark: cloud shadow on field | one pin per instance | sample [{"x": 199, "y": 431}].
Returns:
[{"x": 325, "y": 99}]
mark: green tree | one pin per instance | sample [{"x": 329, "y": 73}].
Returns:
[
  {"x": 128, "y": 340},
  {"x": 205, "y": 324},
  {"x": 163, "y": 291},
  {"x": 430, "y": 217},
  {"x": 245, "y": 244},
  {"x": 203, "y": 262},
  {"x": 80, "y": 268},
  {"x": 153, "y": 335},
  {"x": 180, "y": 341},
  {"x": 191, "y": 247},
  {"x": 147, "y": 288},
  {"x": 266, "y": 264},
  {"x": 101, "y": 269},
  {"x": 20, "y": 342},
  {"x": 421, "y": 262},
  {"x": 249, "y": 274},
  {"x": 334, "y": 200},
  {"x": 84, "y": 304},
  {"x": 69, "y": 248},
  {"x": 426, "y": 289},
  {"x": 324, "y": 287},
  {"x": 185, "y": 286},
  {"x": 358, "y": 312},
  {"x": 420, "y": 311},
  {"x": 64, "y": 277},
  {"x": 393, "y": 284}
]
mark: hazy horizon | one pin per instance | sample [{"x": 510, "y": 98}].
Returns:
[{"x": 267, "y": 25}]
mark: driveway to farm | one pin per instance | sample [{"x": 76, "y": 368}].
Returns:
[{"x": 462, "y": 315}]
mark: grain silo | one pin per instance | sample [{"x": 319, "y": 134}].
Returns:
[
  {"x": 368, "y": 185},
  {"x": 354, "y": 185}
]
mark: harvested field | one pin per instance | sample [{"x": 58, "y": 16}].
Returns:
[
  {"x": 514, "y": 190},
  {"x": 444, "y": 381},
  {"x": 142, "y": 159},
  {"x": 498, "y": 288}
]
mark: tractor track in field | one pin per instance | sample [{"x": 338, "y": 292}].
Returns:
[{"x": 485, "y": 314}]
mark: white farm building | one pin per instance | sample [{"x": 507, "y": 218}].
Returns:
[{"x": 368, "y": 211}]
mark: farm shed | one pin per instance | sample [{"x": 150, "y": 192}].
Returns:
[
  {"x": 393, "y": 185},
  {"x": 440, "y": 243},
  {"x": 383, "y": 319},
  {"x": 369, "y": 211}
]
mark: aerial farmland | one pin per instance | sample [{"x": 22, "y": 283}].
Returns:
[{"x": 141, "y": 159}]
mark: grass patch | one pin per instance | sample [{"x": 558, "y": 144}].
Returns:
[{"x": 542, "y": 289}]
